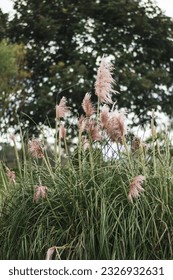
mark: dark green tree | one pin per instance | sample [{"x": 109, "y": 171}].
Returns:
[
  {"x": 64, "y": 38},
  {"x": 12, "y": 74},
  {"x": 3, "y": 24}
]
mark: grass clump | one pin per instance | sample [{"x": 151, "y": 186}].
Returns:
[{"x": 110, "y": 199}]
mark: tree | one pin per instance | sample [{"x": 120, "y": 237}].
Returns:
[
  {"x": 3, "y": 24},
  {"x": 12, "y": 74},
  {"x": 64, "y": 38}
]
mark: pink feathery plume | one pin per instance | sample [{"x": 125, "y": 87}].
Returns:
[
  {"x": 62, "y": 132},
  {"x": 82, "y": 123},
  {"x": 11, "y": 175},
  {"x": 94, "y": 131},
  {"x": 104, "y": 116},
  {"x": 85, "y": 143},
  {"x": 104, "y": 81},
  {"x": 50, "y": 252},
  {"x": 116, "y": 128},
  {"x": 40, "y": 192},
  {"x": 135, "y": 187},
  {"x": 62, "y": 108},
  {"x": 35, "y": 149},
  {"x": 87, "y": 105}
]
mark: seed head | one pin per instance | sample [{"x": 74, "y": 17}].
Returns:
[
  {"x": 62, "y": 108},
  {"x": 40, "y": 192},
  {"x": 104, "y": 116},
  {"x": 11, "y": 175},
  {"x": 104, "y": 81},
  {"x": 82, "y": 123},
  {"x": 36, "y": 149},
  {"x": 94, "y": 131},
  {"x": 135, "y": 187},
  {"x": 116, "y": 128},
  {"x": 50, "y": 252},
  {"x": 87, "y": 105}
]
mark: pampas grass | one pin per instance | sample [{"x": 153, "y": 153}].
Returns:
[
  {"x": 89, "y": 204},
  {"x": 35, "y": 148},
  {"x": 115, "y": 126},
  {"x": 62, "y": 109},
  {"x": 104, "y": 81},
  {"x": 136, "y": 187},
  {"x": 87, "y": 105}
]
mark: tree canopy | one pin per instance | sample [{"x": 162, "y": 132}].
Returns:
[
  {"x": 12, "y": 74},
  {"x": 63, "y": 40}
]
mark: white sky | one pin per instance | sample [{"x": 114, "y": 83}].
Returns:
[
  {"x": 6, "y": 5},
  {"x": 165, "y": 5}
]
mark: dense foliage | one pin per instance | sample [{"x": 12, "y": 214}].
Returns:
[
  {"x": 12, "y": 75},
  {"x": 86, "y": 213},
  {"x": 109, "y": 199}
]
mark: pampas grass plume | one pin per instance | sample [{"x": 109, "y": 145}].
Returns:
[
  {"x": 50, "y": 252},
  {"x": 62, "y": 108},
  {"x": 104, "y": 116},
  {"x": 104, "y": 81},
  {"x": 87, "y": 105},
  {"x": 40, "y": 192},
  {"x": 36, "y": 149},
  {"x": 135, "y": 187},
  {"x": 82, "y": 124},
  {"x": 11, "y": 175},
  {"x": 94, "y": 131},
  {"x": 116, "y": 128}
]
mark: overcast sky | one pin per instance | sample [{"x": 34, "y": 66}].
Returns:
[{"x": 165, "y": 5}]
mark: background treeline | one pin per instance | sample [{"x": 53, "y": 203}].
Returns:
[{"x": 49, "y": 49}]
